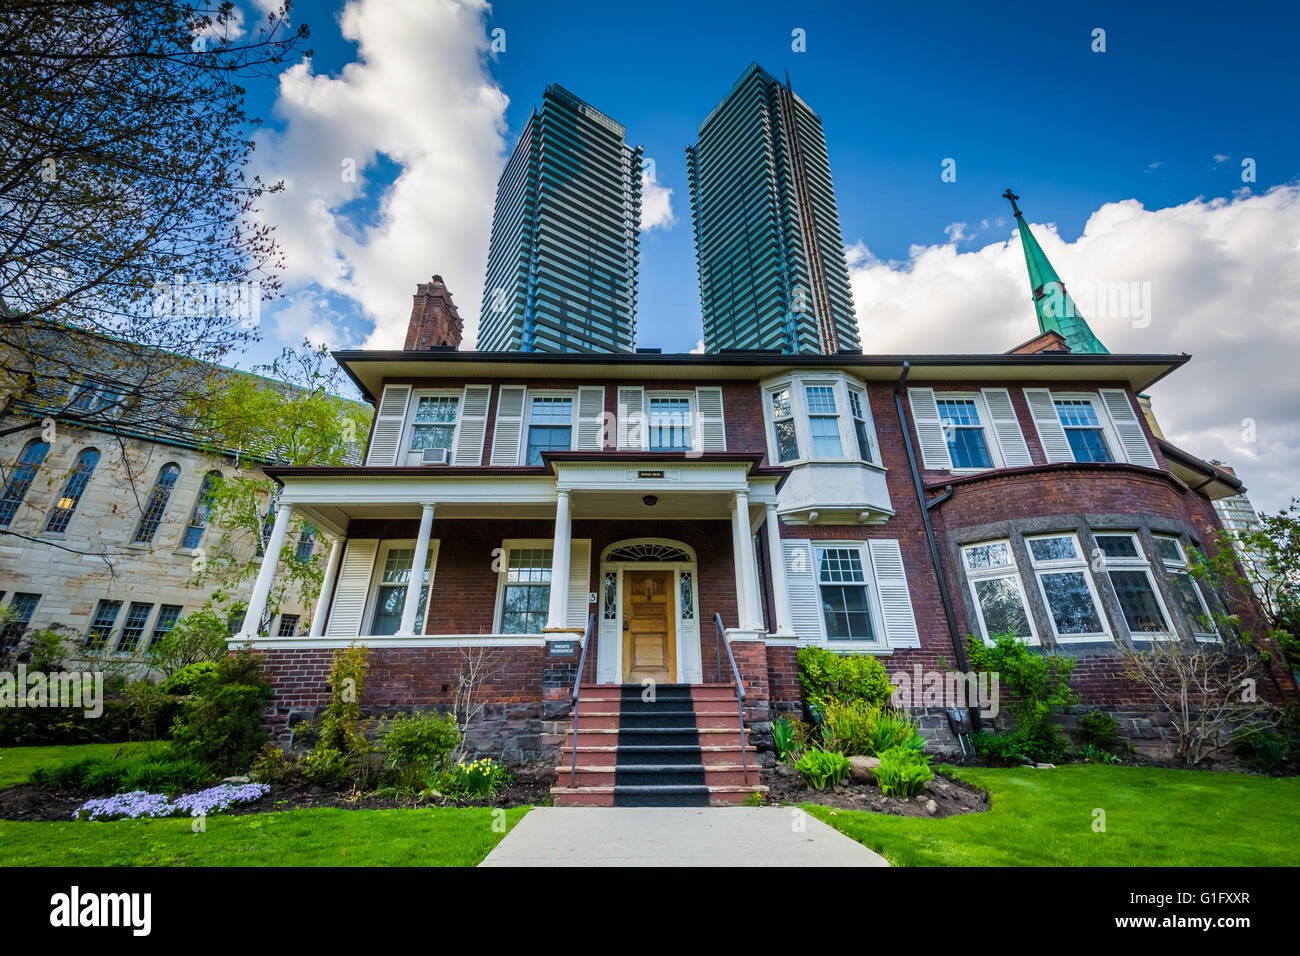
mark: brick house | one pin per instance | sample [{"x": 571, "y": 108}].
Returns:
[{"x": 885, "y": 505}]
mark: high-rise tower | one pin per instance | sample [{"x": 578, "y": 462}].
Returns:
[
  {"x": 562, "y": 262},
  {"x": 767, "y": 233}
]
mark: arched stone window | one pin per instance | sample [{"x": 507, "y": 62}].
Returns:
[
  {"x": 156, "y": 505},
  {"x": 66, "y": 504},
  {"x": 20, "y": 479}
]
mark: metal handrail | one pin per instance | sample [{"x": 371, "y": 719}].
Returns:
[
  {"x": 721, "y": 634},
  {"x": 577, "y": 683}
]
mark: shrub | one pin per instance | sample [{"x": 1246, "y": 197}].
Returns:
[
  {"x": 1099, "y": 729},
  {"x": 221, "y": 724},
  {"x": 822, "y": 769},
  {"x": 903, "y": 772},
  {"x": 48, "y": 648},
  {"x": 894, "y": 728},
  {"x": 826, "y": 676},
  {"x": 148, "y": 702},
  {"x": 342, "y": 747},
  {"x": 188, "y": 679},
  {"x": 418, "y": 745},
  {"x": 784, "y": 739},
  {"x": 1091, "y": 753},
  {"x": 121, "y": 772},
  {"x": 1037, "y": 682},
  {"x": 847, "y": 727},
  {"x": 273, "y": 765},
  {"x": 1043, "y": 744},
  {"x": 200, "y": 636}
]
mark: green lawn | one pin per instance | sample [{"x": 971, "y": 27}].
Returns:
[
  {"x": 1153, "y": 817},
  {"x": 326, "y": 837},
  {"x": 17, "y": 763}
]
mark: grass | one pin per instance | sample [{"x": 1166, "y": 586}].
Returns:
[
  {"x": 436, "y": 836},
  {"x": 1153, "y": 817},
  {"x": 17, "y": 763}
]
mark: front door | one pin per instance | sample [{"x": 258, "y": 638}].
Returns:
[{"x": 649, "y": 631}]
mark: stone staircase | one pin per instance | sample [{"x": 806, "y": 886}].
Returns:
[{"x": 683, "y": 748}]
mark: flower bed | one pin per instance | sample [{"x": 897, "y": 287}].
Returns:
[{"x": 139, "y": 804}]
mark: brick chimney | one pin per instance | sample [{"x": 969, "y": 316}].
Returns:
[{"x": 434, "y": 320}]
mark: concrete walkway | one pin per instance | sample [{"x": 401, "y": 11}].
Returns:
[{"x": 677, "y": 836}]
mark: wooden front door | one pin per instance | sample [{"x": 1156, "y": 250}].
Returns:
[{"x": 649, "y": 627}]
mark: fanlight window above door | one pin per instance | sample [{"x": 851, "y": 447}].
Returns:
[{"x": 648, "y": 552}]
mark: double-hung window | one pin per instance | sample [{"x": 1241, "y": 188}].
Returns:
[
  {"x": 525, "y": 589},
  {"x": 845, "y": 594},
  {"x": 787, "y": 441},
  {"x": 1130, "y": 576},
  {"x": 670, "y": 423},
  {"x": 434, "y": 422},
  {"x": 1067, "y": 588},
  {"x": 168, "y": 614},
  {"x": 392, "y": 581},
  {"x": 997, "y": 590},
  {"x": 823, "y": 421},
  {"x": 861, "y": 430},
  {"x": 21, "y": 609},
  {"x": 1083, "y": 429},
  {"x": 306, "y": 544},
  {"x": 137, "y": 615},
  {"x": 963, "y": 428},
  {"x": 288, "y": 625},
  {"x": 101, "y": 625},
  {"x": 1187, "y": 592},
  {"x": 550, "y": 426}
]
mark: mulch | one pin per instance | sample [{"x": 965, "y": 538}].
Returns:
[{"x": 950, "y": 797}]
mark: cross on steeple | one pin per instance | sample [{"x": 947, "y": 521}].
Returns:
[{"x": 1011, "y": 197}]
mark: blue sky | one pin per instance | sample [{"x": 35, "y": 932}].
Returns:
[
  {"x": 1128, "y": 163},
  {"x": 1016, "y": 97}
]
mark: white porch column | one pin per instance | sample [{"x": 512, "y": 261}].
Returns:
[
  {"x": 326, "y": 588},
  {"x": 266, "y": 573},
  {"x": 746, "y": 582},
  {"x": 416, "y": 583},
  {"x": 558, "y": 612},
  {"x": 776, "y": 561}
]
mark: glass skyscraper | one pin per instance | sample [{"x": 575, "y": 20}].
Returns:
[
  {"x": 562, "y": 262},
  {"x": 767, "y": 233}
]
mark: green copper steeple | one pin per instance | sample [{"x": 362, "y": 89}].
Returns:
[{"x": 1056, "y": 310}]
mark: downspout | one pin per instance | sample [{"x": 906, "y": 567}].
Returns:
[{"x": 957, "y": 646}]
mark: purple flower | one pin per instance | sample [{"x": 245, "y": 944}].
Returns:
[{"x": 139, "y": 803}]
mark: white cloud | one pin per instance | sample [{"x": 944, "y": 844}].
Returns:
[
  {"x": 956, "y": 231},
  {"x": 1221, "y": 158},
  {"x": 418, "y": 93},
  {"x": 656, "y": 201},
  {"x": 1224, "y": 286}
]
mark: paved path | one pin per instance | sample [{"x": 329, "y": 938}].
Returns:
[{"x": 677, "y": 836}]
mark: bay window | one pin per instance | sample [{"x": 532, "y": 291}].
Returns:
[
  {"x": 1186, "y": 591},
  {"x": 818, "y": 417},
  {"x": 787, "y": 441},
  {"x": 823, "y": 421}
]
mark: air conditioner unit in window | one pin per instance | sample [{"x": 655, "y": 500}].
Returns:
[{"x": 435, "y": 456}]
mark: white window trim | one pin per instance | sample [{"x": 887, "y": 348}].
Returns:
[
  {"x": 798, "y": 383},
  {"x": 864, "y": 401},
  {"x": 1179, "y": 567},
  {"x": 529, "y": 397},
  {"x": 1113, "y": 446},
  {"x": 513, "y": 544},
  {"x": 408, "y": 426},
  {"x": 881, "y": 643},
  {"x": 376, "y": 577},
  {"x": 986, "y": 426},
  {"x": 1139, "y": 563},
  {"x": 1008, "y": 570},
  {"x": 693, "y": 427},
  {"x": 1079, "y": 564}
]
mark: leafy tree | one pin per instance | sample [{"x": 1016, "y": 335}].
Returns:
[{"x": 292, "y": 416}]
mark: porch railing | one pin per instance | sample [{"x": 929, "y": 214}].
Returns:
[
  {"x": 577, "y": 685},
  {"x": 720, "y": 637}
]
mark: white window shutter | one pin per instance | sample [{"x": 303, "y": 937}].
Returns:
[
  {"x": 895, "y": 598},
  {"x": 473, "y": 425},
  {"x": 591, "y": 418},
  {"x": 1056, "y": 447},
  {"x": 1006, "y": 428},
  {"x": 711, "y": 427},
  {"x": 579, "y": 581},
  {"x": 801, "y": 586},
  {"x": 352, "y": 589},
  {"x": 632, "y": 431},
  {"x": 390, "y": 420},
  {"x": 508, "y": 434},
  {"x": 1128, "y": 427},
  {"x": 929, "y": 429}
]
